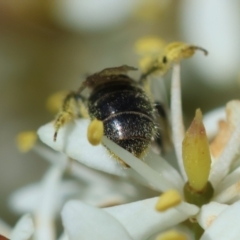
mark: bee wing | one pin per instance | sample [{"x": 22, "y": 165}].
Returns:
[
  {"x": 105, "y": 75},
  {"x": 116, "y": 70},
  {"x": 159, "y": 90},
  {"x": 160, "y": 98}
]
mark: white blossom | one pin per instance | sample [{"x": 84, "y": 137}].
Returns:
[
  {"x": 23, "y": 230},
  {"x": 154, "y": 171}
]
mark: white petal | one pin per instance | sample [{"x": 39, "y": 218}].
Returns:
[
  {"x": 155, "y": 179},
  {"x": 142, "y": 220},
  {"x": 27, "y": 199},
  {"x": 228, "y": 194},
  {"x": 211, "y": 119},
  {"x": 226, "y": 225},
  {"x": 72, "y": 139},
  {"x": 101, "y": 196},
  {"x": 115, "y": 192},
  {"x": 50, "y": 155},
  {"x": 165, "y": 169},
  {"x": 222, "y": 166},
  {"x": 228, "y": 181},
  {"x": 101, "y": 189},
  {"x": 235, "y": 165},
  {"x": 209, "y": 213},
  {"x": 82, "y": 221},
  {"x": 23, "y": 229},
  {"x": 235, "y": 199},
  {"x": 233, "y": 113},
  {"x": 213, "y": 25}
]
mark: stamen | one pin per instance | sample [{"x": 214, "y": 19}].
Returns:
[
  {"x": 176, "y": 116},
  {"x": 157, "y": 181},
  {"x": 26, "y": 140},
  {"x": 95, "y": 132},
  {"x": 172, "y": 235},
  {"x": 176, "y": 51},
  {"x": 167, "y": 200}
]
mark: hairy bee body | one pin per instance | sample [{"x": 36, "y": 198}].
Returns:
[
  {"x": 128, "y": 116},
  {"x": 126, "y": 111}
]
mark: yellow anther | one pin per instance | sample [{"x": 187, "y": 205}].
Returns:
[
  {"x": 172, "y": 235},
  {"x": 196, "y": 154},
  {"x": 149, "y": 46},
  {"x": 54, "y": 102},
  {"x": 157, "y": 57},
  {"x": 95, "y": 132},
  {"x": 167, "y": 200},
  {"x": 26, "y": 140},
  {"x": 177, "y": 51}
]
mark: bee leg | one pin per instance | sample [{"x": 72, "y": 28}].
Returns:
[
  {"x": 95, "y": 132},
  {"x": 67, "y": 113},
  {"x": 81, "y": 103}
]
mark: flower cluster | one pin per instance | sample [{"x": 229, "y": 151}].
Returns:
[{"x": 98, "y": 199}]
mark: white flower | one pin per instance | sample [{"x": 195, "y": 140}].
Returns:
[
  {"x": 45, "y": 199},
  {"x": 136, "y": 219},
  {"x": 156, "y": 172},
  {"x": 23, "y": 229}
]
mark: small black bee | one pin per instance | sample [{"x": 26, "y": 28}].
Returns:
[{"x": 129, "y": 116}]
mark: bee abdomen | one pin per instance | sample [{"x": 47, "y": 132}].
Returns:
[
  {"x": 120, "y": 101},
  {"x": 127, "y": 114},
  {"x": 132, "y": 131}
]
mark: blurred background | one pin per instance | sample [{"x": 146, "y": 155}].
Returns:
[{"x": 49, "y": 45}]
